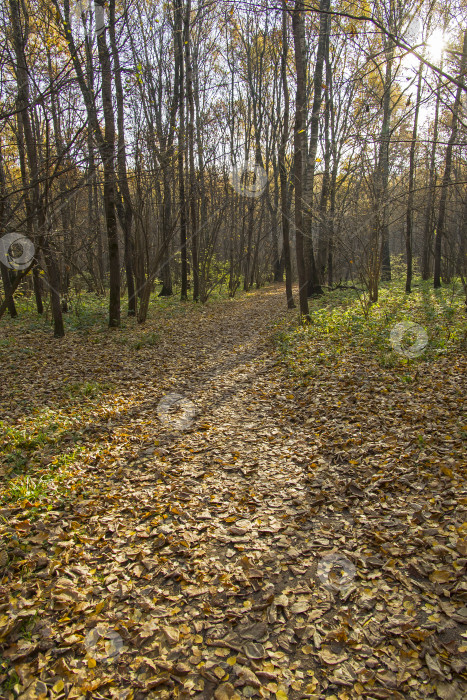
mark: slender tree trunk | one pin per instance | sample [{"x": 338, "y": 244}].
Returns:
[
  {"x": 110, "y": 194},
  {"x": 274, "y": 211},
  {"x": 36, "y": 281},
  {"x": 20, "y": 39},
  {"x": 14, "y": 286},
  {"x": 332, "y": 213},
  {"x": 313, "y": 284},
  {"x": 193, "y": 194},
  {"x": 441, "y": 224},
  {"x": 247, "y": 263},
  {"x": 409, "y": 223},
  {"x": 181, "y": 148},
  {"x": 298, "y": 29},
  {"x": 5, "y": 272},
  {"x": 323, "y": 238},
  {"x": 126, "y": 217},
  {"x": 429, "y": 211},
  {"x": 105, "y": 143},
  {"x": 383, "y": 163},
  {"x": 285, "y": 208},
  {"x": 64, "y": 209}
]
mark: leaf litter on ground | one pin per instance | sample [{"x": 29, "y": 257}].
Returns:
[{"x": 301, "y": 537}]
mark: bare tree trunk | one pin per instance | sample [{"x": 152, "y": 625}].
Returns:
[
  {"x": 5, "y": 272},
  {"x": 285, "y": 204},
  {"x": 298, "y": 29},
  {"x": 193, "y": 195},
  {"x": 20, "y": 39},
  {"x": 440, "y": 228},
  {"x": 332, "y": 213},
  {"x": 105, "y": 143},
  {"x": 181, "y": 147},
  {"x": 125, "y": 212},
  {"x": 247, "y": 264},
  {"x": 64, "y": 208},
  {"x": 409, "y": 223},
  {"x": 383, "y": 164},
  {"x": 313, "y": 282},
  {"x": 108, "y": 153},
  {"x": 429, "y": 211},
  {"x": 323, "y": 238}
]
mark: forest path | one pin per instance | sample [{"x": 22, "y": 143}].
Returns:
[{"x": 259, "y": 549}]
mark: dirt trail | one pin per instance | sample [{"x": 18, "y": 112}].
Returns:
[{"x": 206, "y": 561}]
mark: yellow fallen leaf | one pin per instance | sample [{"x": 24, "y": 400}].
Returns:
[
  {"x": 221, "y": 651},
  {"x": 232, "y": 660},
  {"x": 100, "y": 606},
  {"x": 58, "y": 687},
  {"x": 440, "y": 576},
  {"x": 92, "y": 663},
  {"x": 281, "y": 695}
]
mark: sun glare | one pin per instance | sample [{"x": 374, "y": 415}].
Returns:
[{"x": 436, "y": 44}]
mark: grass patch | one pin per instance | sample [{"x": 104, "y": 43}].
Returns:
[
  {"x": 340, "y": 325},
  {"x": 88, "y": 312},
  {"x": 88, "y": 390}
]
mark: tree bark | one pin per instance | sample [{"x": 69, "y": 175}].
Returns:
[
  {"x": 383, "y": 164},
  {"x": 108, "y": 157},
  {"x": 126, "y": 211},
  {"x": 5, "y": 272},
  {"x": 298, "y": 29},
  {"x": 441, "y": 224},
  {"x": 106, "y": 145},
  {"x": 20, "y": 39},
  {"x": 409, "y": 221},
  {"x": 285, "y": 207},
  {"x": 313, "y": 281},
  {"x": 193, "y": 193},
  {"x": 429, "y": 210}
]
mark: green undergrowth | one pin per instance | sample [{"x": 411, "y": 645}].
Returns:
[
  {"x": 41, "y": 451},
  {"x": 88, "y": 314},
  {"x": 342, "y": 323}
]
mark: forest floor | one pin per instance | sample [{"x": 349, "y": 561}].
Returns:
[{"x": 293, "y": 527}]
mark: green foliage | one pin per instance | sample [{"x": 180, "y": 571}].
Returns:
[
  {"x": 339, "y": 326},
  {"x": 12, "y": 681},
  {"x": 147, "y": 340},
  {"x": 90, "y": 390}
]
